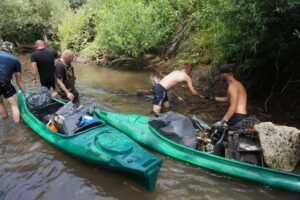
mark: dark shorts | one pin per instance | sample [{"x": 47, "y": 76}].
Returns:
[
  {"x": 160, "y": 94},
  {"x": 7, "y": 89},
  {"x": 236, "y": 118},
  {"x": 49, "y": 84}
]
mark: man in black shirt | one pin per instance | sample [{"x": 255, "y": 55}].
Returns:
[
  {"x": 65, "y": 77},
  {"x": 43, "y": 59}
]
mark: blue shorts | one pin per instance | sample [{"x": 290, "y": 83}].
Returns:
[
  {"x": 7, "y": 89},
  {"x": 159, "y": 94},
  {"x": 236, "y": 118}
]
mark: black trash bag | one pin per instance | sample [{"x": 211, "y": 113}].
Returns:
[
  {"x": 176, "y": 127},
  {"x": 70, "y": 108},
  {"x": 41, "y": 104},
  {"x": 37, "y": 100}
]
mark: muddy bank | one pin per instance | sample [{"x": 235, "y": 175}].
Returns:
[{"x": 205, "y": 80}]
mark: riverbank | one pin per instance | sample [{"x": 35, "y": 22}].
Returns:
[{"x": 206, "y": 82}]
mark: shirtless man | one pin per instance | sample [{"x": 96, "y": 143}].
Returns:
[
  {"x": 237, "y": 97},
  {"x": 168, "y": 83}
]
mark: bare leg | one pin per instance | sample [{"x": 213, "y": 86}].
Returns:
[
  {"x": 166, "y": 105},
  {"x": 156, "y": 109},
  {"x": 3, "y": 111},
  {"x": 13, "y": 100},
  {"x": 53, "y": 92}
]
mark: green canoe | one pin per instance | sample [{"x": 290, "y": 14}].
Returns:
[
  {"x": 101, "y": 145},
  {"x": 137, "y": 128}
]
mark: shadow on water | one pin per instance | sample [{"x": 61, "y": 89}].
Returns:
[{"x": 30, "y": 168}]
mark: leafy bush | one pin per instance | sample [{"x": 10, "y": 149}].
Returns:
[
  {"x": 77, "y": 29},
  {"x": 122, "y": 27},
  {"x": 24, "y": 21}
]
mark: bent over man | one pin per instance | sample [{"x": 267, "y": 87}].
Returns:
[
  {"x": 9, "y": 65},
  {"x": 169, "y": 82}
]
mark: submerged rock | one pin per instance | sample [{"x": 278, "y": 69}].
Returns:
[{"x": 280, "y": 145}]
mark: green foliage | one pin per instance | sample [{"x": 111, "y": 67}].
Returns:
[
  {"x": 77, "y": 29},
  {"x": 74, "y": 4},
  {"x": 121, "y": 27},
  {"x": 24, "y": 21}
]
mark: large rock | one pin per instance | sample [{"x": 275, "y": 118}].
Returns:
[{"x": 280, "y": 145}]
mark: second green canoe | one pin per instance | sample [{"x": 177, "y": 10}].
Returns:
[{"x": 137, "y": 127}]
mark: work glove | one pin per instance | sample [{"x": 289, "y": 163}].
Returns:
[
  {"x": 220, "y": 123},
  {"x": 210, "y": 97}
]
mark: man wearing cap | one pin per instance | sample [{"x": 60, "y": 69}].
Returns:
[
  {"x": 236, "y": 95},
  {"x": 9, "y": 65},
  {"x": 168, "y": 83},
  {"x": 43, "y": 60}
]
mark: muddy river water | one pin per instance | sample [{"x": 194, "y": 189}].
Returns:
[{"x": 31, "y": 169}]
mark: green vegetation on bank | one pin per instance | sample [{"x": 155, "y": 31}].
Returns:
[
  {"x": 261, "y": 37},
  {"x": 24, "y": 21}
]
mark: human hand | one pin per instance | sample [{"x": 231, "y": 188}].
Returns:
[
  {"x": 220, "y": 123},
  {"x": 70, "y": 96},
  {"x": 210, "y": 97}
]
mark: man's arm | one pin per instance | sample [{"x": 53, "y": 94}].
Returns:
[
  {"x": 191, "y": 87},
  {"x": 33, "y": 71},
  {"x": 63, "y": 87},
  {"x": 233, "y": 93},
  {"x": 20, "y": 82}
]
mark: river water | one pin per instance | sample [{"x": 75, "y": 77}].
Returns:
[{"x": 30, "y": 168}]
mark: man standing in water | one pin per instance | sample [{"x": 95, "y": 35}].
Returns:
[
  {"x": 9, "y": 65},
  {"x": 237, "y": 97},
  {"x": 169, "y": 82},
  {"x": 65, "y": 77},
  {"x": 43, "y": 59}
]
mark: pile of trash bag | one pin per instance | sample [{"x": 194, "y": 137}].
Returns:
[
  {"x": 66, "y": 118},
  {"x": 69, "y": 119}
]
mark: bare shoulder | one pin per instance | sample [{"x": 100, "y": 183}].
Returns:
[{"x": 233, "y": 88}]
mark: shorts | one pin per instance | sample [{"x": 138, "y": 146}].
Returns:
[
  {"x": 7, "y": 89},
  {"x": 236, "y": 118},
  {"x": 160, "y": 95},
  {"x": 49, "y": 84}
]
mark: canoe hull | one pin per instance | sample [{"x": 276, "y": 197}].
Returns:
[
  {"x": 103, "y": 146},
  {"x": 137, "y": 128}
]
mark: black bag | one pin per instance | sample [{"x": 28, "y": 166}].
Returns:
[
  {"x": 40, "y": 102},
  {"x": 176, "y": 127}
]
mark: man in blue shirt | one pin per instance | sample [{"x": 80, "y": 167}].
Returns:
[{"x": 9, "y": 65}]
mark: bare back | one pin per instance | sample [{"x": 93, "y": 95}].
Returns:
[
  {"x": 237, "y": 90},
  {"x": 172, "y": 79}
]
